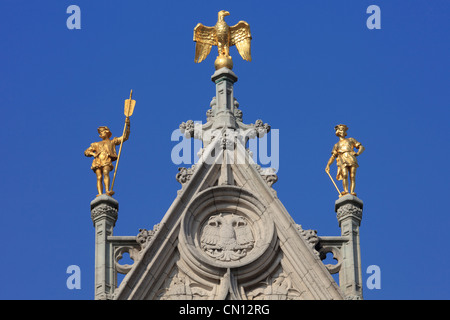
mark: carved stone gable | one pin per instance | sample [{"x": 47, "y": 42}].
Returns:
[{"x": 227, "y": 242}]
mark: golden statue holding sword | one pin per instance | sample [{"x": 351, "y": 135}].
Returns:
[
  {"x": 104, "y": 152},
  {"x": 343, "y": 152}
]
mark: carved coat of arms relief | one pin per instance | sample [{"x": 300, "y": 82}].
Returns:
[{"x": 227, "y": 237}]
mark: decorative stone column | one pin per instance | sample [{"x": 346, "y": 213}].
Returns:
[
  {"x": 104, "y": 216},
  {"x": 223, "y": 111},
  {"x": 349, "y": 215}
]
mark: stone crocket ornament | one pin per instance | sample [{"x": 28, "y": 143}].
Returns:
[{"x": 223, "y": 36}]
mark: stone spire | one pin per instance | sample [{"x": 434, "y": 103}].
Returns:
[
  {"x": 224, "y": 117},
  {"x": 224, "y": 128}
]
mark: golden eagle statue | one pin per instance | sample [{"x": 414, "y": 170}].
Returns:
[{"x": 223, "y": 36}]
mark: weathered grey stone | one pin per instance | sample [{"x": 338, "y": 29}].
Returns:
[
  {"x": 104, "y": 205},
  {"x": 222, "y": 74},
  {"x": 226, "y": 235},
  {"x": 349, "y": 215},
  {"x": 104, "y": 211},
  {"x": 348, "y": 199}
]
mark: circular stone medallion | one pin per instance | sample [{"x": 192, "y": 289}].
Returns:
[{"x": 226, "y": 227}]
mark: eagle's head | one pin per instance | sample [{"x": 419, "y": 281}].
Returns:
[{"x": 223, "y": 13}]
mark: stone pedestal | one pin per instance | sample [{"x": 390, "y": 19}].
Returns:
[
  {"x": 223, "y": 112},
  {"x": 349, "y": 215},
  {"x": 104, "y": 216}
]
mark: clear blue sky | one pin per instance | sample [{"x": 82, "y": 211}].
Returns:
[{"x": 315, "y": 64}]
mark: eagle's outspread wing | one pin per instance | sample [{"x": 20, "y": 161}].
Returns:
[
  {"x": 241, "y": 37},
  {"x": 244, "y": 236},
  {"x": 210, "y": 237},
  {"x": 205, "y": 38}
]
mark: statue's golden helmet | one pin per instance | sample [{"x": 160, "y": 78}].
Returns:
[
  {"x": 343, "y": 127},
  {"x": 104, "y": 128}
]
